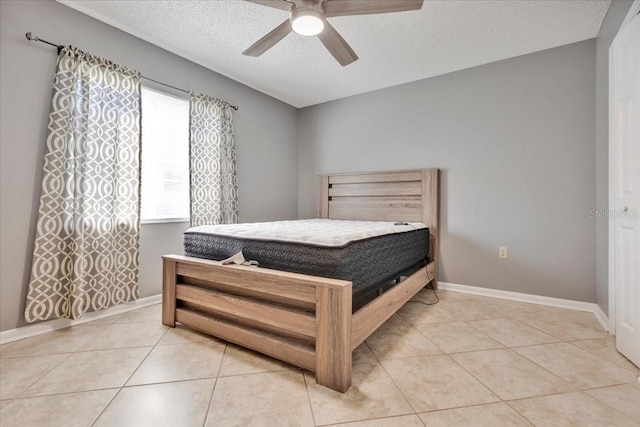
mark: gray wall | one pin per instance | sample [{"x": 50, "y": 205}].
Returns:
[
  {"x": 515, "y": 139},
  {"x": 265, "y": 131},
  {"x": 516, "y": 142},
  {"x": 610, "y": 26}
]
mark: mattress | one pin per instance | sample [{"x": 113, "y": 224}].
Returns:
[{"x": 367, "y": 253}]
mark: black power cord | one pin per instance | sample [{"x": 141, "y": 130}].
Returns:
[{"x": 432, "y": 288}]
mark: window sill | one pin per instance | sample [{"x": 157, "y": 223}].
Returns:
[{"x": 162, "y": 220}]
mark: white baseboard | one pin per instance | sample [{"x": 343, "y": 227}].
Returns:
[
  {"x": 602, "y": 318},
  {"x": 53, "y": 325},
  {"x": 533, "y": 299}
]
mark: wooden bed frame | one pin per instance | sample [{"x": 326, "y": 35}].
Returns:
[{"x": 300, "y": 319}]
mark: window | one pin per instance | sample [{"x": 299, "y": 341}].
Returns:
[{"x": 165, "y": 157}]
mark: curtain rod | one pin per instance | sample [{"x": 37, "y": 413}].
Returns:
[{"x": 33, "y": 38}]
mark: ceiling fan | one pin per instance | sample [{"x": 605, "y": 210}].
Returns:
[{"x": 308, "y": 18}]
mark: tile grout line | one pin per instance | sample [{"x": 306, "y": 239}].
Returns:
[
  {"x": 511, "y": 319},
  {"x": 518, "y": 412},
  {"x": 110, "y": 388},
  {"x": 391, "y": 377},
  {"x": 35, "y": 338},
  {"x": 39, "y": 378},
  {"x": 605, "y": 403},
  {"x": 107, "y": 327},
  {"x": 523, "y": 398},
  {"x": 508, "y": 402},
  {"x": 577, "y": 348},
  {"x": 72, "y": 392},
  {"x": 475, "y": 329},
  {"x": 130, "y": 376},
  {"x": 215, "y": 384},
  {"x": 476, "y": 378},
  {"x": 388, "y": 417},
  {"x": 144, "y": 359},
  {"x": 575, "y": 388},
  {"x": 521, "y": 319},
  {"x": 538, "y": 329},
  {"x": 558, "y": 376},
  {"x": 306, "y": 387},
  {"x": 106, "y": 406},
  {"x": 636, "y": 370},
  {"x": 541, "y": 367}
]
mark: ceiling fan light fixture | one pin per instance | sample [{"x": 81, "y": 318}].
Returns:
[
  {"x": 307, "y": 22},
  {"x": 307, "y": 18}
]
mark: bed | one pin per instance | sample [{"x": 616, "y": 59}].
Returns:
[
  {"x": 369, "y": 254},
  {"x": 305, "y": 319}
]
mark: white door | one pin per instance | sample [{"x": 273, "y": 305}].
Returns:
[{"x": 625, "y": 128}]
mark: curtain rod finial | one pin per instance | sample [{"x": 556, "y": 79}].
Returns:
[{"x": 31, "y": 37}]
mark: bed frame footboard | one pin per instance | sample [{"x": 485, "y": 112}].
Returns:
[{"x": 303, "y": 320}]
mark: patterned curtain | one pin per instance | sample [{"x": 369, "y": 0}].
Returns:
[
  {"x": 87, "y": 239},
  {"x": 214, "y": 190}
]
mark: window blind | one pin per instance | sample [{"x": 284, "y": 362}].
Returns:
[{"x": 165, "y": 157}]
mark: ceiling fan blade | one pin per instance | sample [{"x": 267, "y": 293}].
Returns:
[
  {"x": 278, "y": 4},
  {"x": 366, "y": 7},
  {"x": 268, "y": 41},
  {"x": 336, "y": 45}
]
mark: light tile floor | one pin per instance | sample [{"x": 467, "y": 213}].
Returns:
[{"x": 468, "y": 360}]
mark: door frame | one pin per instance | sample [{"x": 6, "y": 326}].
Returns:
[{"x": 633, "y": 11}]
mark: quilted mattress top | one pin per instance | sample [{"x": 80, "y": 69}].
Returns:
[{"x": 317, "y": 232}]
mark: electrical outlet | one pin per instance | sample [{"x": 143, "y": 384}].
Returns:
[{"x": 503, "y": 252}]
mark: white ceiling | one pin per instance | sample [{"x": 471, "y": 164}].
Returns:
[{"x": 395, "y": 48}]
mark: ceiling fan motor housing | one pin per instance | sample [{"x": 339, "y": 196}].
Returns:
[{"x": 307, "y": 5}]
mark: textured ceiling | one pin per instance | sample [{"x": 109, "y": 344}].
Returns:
[{"x": 394, "y": 48}]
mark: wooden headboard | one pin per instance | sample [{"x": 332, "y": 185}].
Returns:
[{"x": 409, "y": 195}]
